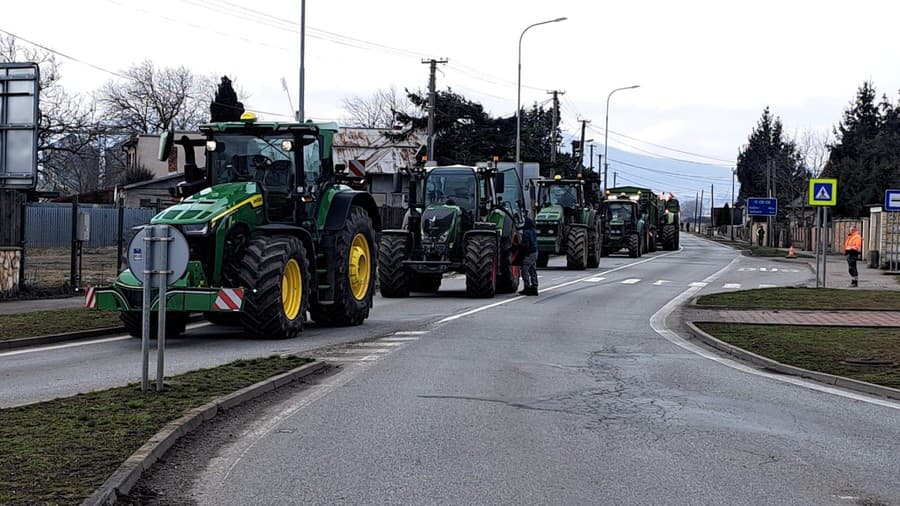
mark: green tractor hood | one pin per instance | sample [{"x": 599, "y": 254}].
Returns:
[
  {"x": 211, "y": 204},
  {"x": 550, "y": 213}
]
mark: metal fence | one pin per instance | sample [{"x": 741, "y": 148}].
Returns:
[{"x": 49, "y": 225}]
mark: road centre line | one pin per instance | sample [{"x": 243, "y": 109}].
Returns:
[
  {"x": 554, "y": 287},
  {"x": 658, "y": 323}
]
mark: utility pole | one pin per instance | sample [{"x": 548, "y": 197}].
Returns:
[
  {"x": 614, "y": 178},
  {"x": 591, "y": 160},
  {"x": 431, "y": 100},
  {"x": 300, "y": 111},
  {"x": 731, "y": 223},
  {"x": 554, "y": 132},
  {"x": 584, "y": 123},
  {"x": 712, "y": 205},
  {"x": 700, "y": 216},
  {"x": 696, "y": 209}
]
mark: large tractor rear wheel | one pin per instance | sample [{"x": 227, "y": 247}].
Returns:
[
  {"x": 543, "y": 259},
  {"x": 176, "y": 322},
  {"x": 593, "y": 253},
  {"x": 354, "y": 281},
  {"x": 480, "y": 265},
  {"x": 634, "y": 246},
  {"x": 393, "y": 278},
  {"x": 576, "y": 249},
  {"x": 424, "y": 283},
  {"x": 275, "y": 271}
]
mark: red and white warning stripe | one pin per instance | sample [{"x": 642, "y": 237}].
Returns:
[
  {"x": 90, "y": 298},
  {"x": 357, "y": 167},
  {"x": 229, "y": 299}
]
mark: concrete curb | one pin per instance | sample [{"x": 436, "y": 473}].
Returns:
[
  {"x": 25, "y": 342},
  {"x": 829, "y": 379},
  {"x": 126, "y": 476}
]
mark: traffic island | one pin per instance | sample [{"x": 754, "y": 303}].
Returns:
[{"x": 97, "y": 444}]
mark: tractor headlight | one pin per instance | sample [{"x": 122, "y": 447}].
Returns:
[
  {"x": 211, "y": 145},
  {"x": 195, "y": 229}
]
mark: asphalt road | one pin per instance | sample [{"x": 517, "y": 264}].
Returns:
[{"x": 586, "y": 394}]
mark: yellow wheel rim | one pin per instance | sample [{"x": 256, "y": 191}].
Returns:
[
  {"x": 360, "y": 272},
  {"x": 291, "y": 289}
]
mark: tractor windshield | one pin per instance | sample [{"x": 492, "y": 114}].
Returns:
[
  {"x": 619, "y": 212},
  {"x": 452, "y": 189},
  {"x": 252, "y": 158},
  {"x": 559, "y": 195}
]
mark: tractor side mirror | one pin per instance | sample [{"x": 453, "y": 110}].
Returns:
[
  {"x": 166, "y": 142},
  {"x": 397, "y": 182},
  {"x": 340, "y": 168},
  {"x": 499, "y": 182}
]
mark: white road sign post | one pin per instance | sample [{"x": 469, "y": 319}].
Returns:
[{"x": 157, "y": 256}]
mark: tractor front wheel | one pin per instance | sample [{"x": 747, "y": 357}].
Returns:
[
  {"x": 276, "y": 273},
  {"x": 176, "y": 322},
  {"x": 576, "y": 249},
  {"x": 393, "y": 278},
  {"x": 634, "y": 246},
  {"x": 480, "y": 265}
]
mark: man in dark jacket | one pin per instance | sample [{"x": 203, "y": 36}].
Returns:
[{"x": 528, "y": 251}]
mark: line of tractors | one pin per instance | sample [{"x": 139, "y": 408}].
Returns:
[{"x": 272, "y": 221}]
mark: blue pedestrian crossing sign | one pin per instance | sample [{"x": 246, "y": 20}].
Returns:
[{"x": 823, "y": 192}]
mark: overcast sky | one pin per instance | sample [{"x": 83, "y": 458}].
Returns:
[{"x": 706, "y": 69}]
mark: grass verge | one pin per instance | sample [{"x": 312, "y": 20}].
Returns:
[
  {"x": 43, "y": 323},
  {"x": 60, "y": 451},
  {"x": 804, "y": 298},
  {"x": 818, "y": 348}
]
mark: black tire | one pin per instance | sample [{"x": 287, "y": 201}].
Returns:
[
  {"x": 424, "y": 283},
  {"x": 480, "y": 265},
  {"x": 576, "y": 249},
  {"x": 348, "y": 307},
  {"x": 668, "y": 237},
  {"x": 507, "y": 274},
  {"x": 262, "y": 270},
  {"x": 593, "y": 258},
  {"x": 634, "y": 246},
  {"x": 223, "y": 318},
  {"x": 393, "y": 278},
  {"x": 175, "y": 323},
  {"x": 543, "y": 259}
]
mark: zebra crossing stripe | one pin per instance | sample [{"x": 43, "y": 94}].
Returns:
[
  {"x": 699, "y": 284},
  {"x": 731, "y": 285},
  {"x": 631, "y": 281}
]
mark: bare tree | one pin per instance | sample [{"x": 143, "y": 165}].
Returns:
[
  {"x": 149, "y": 98},
  {"x": 378, "y": 110},
  {"x": 68, "y": 135},
  {"x": 813, "y": 146}
]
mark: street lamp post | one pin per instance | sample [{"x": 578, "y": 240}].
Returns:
[
  {"x": 606, "y": 132},
  {"x": 519, "y": 168}
]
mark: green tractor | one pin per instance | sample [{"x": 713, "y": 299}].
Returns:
[
  {"x": 274, "y": 229},
  {"x": 622, "y": 225},
  {"x": 566, "y": 224},
  {"x": 466, "y": 222},
  {"x": 669, "y": 225}
]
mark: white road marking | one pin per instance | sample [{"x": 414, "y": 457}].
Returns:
[
  {"x": 594, "y": 280},
  {"x": 554, "y": 287},
  {"x": 698, "y": 284},
  {"x": 731, "y": 286},
  {"x": 398, "y": 339},
  {"x": 658, "y": 323},
  {"x": 64, "y": 346},
  {"x": 410, "y": 332},
  {"x": 768, "y": 286},
  {"x": 378, "y": 344},
  {"x": 661, "y": 282},
  {"x": 631, "y": 281}
]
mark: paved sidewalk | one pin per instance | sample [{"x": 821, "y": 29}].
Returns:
[
  {"x": 834, "y": 318},
  {"x": 837, "y": 276}
]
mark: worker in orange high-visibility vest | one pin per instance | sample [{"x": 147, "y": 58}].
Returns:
[{"x": 853, "y": 250}]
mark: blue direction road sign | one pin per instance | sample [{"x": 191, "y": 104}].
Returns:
[
  {"x": 892, "y": 200},
  {"x": 762, "y": 206}
]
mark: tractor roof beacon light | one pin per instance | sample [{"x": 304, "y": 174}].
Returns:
[{"x": 248, "y": 117}]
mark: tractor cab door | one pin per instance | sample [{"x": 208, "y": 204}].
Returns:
[{"x": 512, "y": 197}]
